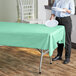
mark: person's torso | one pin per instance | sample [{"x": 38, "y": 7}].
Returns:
[{"x": 62, "y": 4}]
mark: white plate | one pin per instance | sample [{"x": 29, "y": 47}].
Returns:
[
  {"x": 58, "y": 9},
  {"x": 51, "y": 23}
]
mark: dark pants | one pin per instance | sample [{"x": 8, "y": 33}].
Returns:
[{"x": 67, "y": 23}]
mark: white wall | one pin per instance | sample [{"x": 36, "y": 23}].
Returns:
[
  {"x": 75, "y": 2},
  {"x": 43, "y": 14},
  {"x": 73, "y": 36},
  {"x": 8, "y": 10},
  {"x": 36, "y": 8},
  {"x": 41, "y": 9},
  {"x": 1, "y": 11}
]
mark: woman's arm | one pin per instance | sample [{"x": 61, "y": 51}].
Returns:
[
  {"x": 71, "y": 9},
  {"x": 53, "y": 12},
  {"x": 52, "y": 16},
  {"x": 67, "y": 11}
]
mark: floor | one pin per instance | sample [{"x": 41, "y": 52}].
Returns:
[{"x": 16, "y": 61}]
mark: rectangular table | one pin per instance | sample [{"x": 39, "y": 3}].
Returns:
[{"x": 36, "y": 36}]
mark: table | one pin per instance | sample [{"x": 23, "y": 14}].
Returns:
[{"x": 36, "y": 36}]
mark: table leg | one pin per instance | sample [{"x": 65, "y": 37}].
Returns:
[
  {"x": 41, "y": 61},
  {"x": 50, "y": 59}
]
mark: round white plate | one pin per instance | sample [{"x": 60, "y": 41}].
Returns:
[
  {"x": 58, "y": 9},
  {"x": 51, "y": 23}
]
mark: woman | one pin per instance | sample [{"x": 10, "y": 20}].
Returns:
[{"x": 64, "y": 19}]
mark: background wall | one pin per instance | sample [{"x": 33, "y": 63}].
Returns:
[
  {"x": 75, "y": 2},
  {"x": 36, "y": 8},
  {"x": 41, "y": 9},
  {"x": 73, "y": 36},
  {"x": 43, "y": 14},
  {"x": 8, "y": 10}
]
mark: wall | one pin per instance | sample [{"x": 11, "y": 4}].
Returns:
[
  {"x": 41, "y": 9},
  {"x": 36, "y": 8},
  {"x": 75, "y": 2},
  {"x": 73, "y": 36},
  {"x": 8, "y": 10},
  {"x": 1, "y": 11}
]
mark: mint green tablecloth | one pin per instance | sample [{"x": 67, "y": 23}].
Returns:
[{"x": 31, "y": 35}]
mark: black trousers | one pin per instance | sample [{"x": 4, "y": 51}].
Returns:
[{"x": 67, "y": 23}]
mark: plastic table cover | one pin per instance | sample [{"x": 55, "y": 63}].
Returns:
[{"x": 36, "y": 36}]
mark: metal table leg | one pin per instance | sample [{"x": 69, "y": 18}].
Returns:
[
  {"x": 50, "y": 59},
  {"x": 42, "y": 54},
  {"x": 41, "y": 62}
]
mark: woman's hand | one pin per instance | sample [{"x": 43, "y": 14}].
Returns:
[
  {"x": 66, "y": 10},
  {"x": 52, "y": 16}
]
